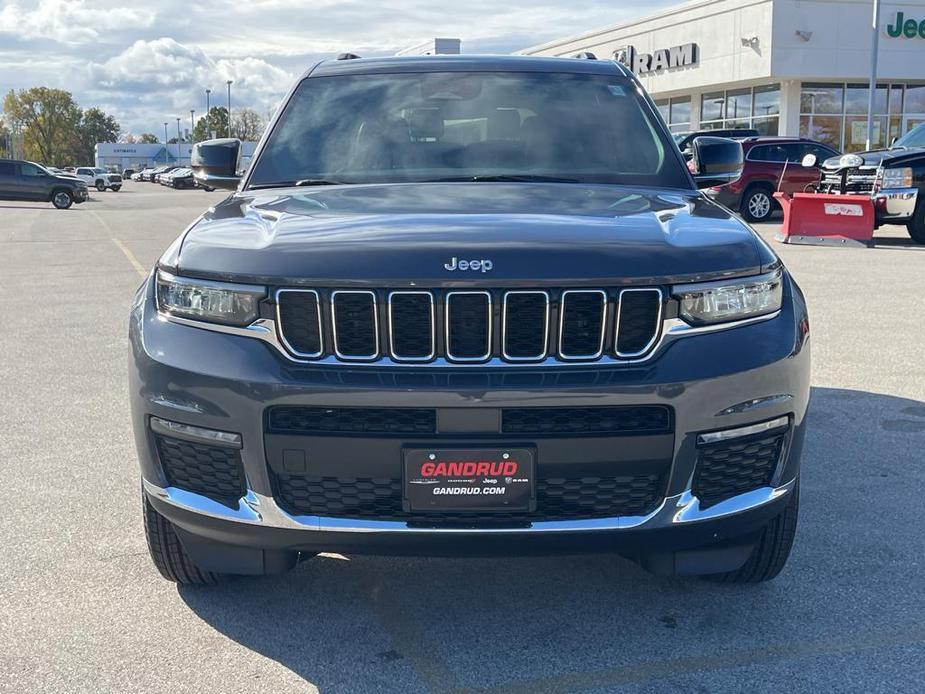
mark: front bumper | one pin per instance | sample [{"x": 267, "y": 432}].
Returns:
[
  {"x": 711, "y": 381},
  {"x": 894, "y": 205}
]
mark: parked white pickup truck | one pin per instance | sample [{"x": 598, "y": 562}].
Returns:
[{"x": 100, "y": 178}]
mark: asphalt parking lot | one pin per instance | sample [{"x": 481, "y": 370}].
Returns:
[{"x": 82, "y": 609}]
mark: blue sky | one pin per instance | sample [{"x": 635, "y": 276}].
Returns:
[{"x": 147, "y": 62}]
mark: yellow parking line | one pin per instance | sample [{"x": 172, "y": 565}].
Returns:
[{"x": 139, "y": 268}]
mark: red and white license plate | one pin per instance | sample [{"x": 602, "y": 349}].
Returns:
[{"x": 456, "y": 479}]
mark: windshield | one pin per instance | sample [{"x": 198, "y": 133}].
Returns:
[
  {"x": 467, "y": 126},
  {"x": 913, "y": 138}
]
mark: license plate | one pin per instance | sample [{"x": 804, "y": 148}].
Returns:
[{"x": 456, "y": 479}]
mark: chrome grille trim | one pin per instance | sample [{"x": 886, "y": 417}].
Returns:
[
  {"x": 355, "y": 357},
  {"x": 282, "y": 332},
  {"x": 433, "y": 327},
  {"x": 562, "y": 306},
  {"x": 656, "y": 335},
  {"x": 446, "y": 325},
  {"x": 545, "y": 351}
]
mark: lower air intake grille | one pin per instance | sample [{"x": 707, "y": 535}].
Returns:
[
  {"x": 606, "y": 421},
  {"x": 728, "y": 468},
  {"x": 557, "y": 499},
  {"x": 214, "y": 471},
  {"x": 351, "y": 420}
]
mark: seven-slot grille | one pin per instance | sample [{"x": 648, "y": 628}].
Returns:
[{"x": 460, "y": 326}]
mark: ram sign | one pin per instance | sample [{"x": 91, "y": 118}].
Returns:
[{"x": 657, "y": 61}]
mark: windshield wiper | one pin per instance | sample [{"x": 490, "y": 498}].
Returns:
[{"x": 505, "y": 178}]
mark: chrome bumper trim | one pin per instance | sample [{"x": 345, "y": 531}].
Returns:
[
  {"x": 896, "y": 203},
  {"x": 258, "y": 509},
  {"x": 727, "y": 434}
]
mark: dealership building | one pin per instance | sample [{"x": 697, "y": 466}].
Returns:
[
  {"x": 120, "y": 155},
  {"x": 784, "y": 67}
]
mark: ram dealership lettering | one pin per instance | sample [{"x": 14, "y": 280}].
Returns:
[{"x": 659, "y": 60}]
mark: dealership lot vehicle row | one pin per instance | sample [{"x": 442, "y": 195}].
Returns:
[{"x": 82, "y": 611}]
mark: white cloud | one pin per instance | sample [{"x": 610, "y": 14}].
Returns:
[{"x": 71, "y": 22}]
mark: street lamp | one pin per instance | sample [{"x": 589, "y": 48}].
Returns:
[
  {"x": 192, "y": 126},
  {"x": 208, "y": 129},
  {"x": 178, "y": 139},
  {"x": 875, "y": 34},
  {"x": 229, "y": 106},
  {"x": 166, "y": 152}
]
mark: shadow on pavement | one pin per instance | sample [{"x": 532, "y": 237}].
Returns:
[{"x": 582, "y": 622}]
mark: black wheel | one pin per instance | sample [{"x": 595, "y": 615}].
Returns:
[
  {"x": 101, "y": 185},
  {"x": 916, "y": 226},
  {"x": 115, "y": 189},
  {"x": 62, "y": 199},
  {"x": 168, "y": 554},
  {"x": 757, "y": 204},
  {"x": 772, "y": 549}
]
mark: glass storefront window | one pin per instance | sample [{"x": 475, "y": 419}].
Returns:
[
  {"x": 896, "y": 98},
  {"x": 767, "y": 100},
  {"x": 856, "y": 97},
  {"x": 681, "y": 110},
  {"x": 826, "y": 129},
  {"x": 856, "y": 133},
  {"x": 915, "y": 99},
  {"x": 748, "y": 107},
  {"x": 662, "y": 106},
  {"x": 711, "y": 107},
  {"x": 821, "y": 98}
]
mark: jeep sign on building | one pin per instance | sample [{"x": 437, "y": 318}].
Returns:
[{"x": 787, "y": 67}]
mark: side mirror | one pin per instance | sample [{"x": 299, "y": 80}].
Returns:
[
  {"x": 809, "y": 161},
  {"x": 717, "y": 161},
  {"x": 216, "y": 163}
]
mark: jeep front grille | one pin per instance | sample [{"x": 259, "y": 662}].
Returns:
[{"x": 470, "y": 326}]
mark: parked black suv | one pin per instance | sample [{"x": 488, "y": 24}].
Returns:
[
  {"x": 469, "y": 305},
  {"x": 894, "y": 177},
  {"x": 26, "y": 180}
]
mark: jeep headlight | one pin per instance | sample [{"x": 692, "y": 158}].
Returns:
[
  {"x": 205, "y": 300},
  {"x": 895, "y": 178},
  {"x": 729, "y": 300}
]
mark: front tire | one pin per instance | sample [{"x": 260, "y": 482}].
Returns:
[
  {"x": 168, "y": 554},
  {"x": 916, "y": 225},
  {"x": 101, "y": 186},
  {"x": 62, "y": 199},
  {"x": 115, "y": 189},
  {"x": 757, "y": 204},
  {"x": 772, "y": 549}
]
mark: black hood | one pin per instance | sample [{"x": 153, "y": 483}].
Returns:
[
  {"x": 877, "y": 157},
  {"x": 404, "y": 234}
]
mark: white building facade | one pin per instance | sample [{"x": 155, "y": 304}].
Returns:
[
  {"x": 120, "y": 156},
  {"x": 787, "y": 67}
]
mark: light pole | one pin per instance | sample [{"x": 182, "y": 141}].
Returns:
[
  {"x": 229, "y": 106},
  {"x": 874, "y": 44},
  {"x": 208, "y": 128},
  {"x": 192, "y": 113},
  {"x": 166, "y": 151},
  {"x": 178, "y": 139}
]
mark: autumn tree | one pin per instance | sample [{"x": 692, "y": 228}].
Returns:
[
  {"x": 247, "y": 124},
  {"x": 49, "y": 119},
  {"x": 95, "y": 126}
]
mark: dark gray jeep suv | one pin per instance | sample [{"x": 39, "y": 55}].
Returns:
[
  {"x": 469, "y": 305},
  {"x": 26, "y": 180}
]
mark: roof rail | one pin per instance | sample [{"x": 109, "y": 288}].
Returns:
[
  {"x": 348, "y": 56},
  {"x": 585, "y": 55}
]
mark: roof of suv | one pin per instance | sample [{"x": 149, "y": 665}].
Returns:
[
  {"x": 772, "y": 139},
  {"x": 467, "y": 63}
]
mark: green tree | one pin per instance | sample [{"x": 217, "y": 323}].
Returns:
[
  {"x": 95, "y": 126},
  {"x": 49, "y": 118},
  {"x": 216, "y": 121},
  {"x": 247, "y": 124},
  {"x": 147, "y": 139},
  {"x": 6, "y": 141}
]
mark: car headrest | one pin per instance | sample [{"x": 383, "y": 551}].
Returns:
[
  {"x": 504, "y": 124},
  {"x": 426, "y": 123}
]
